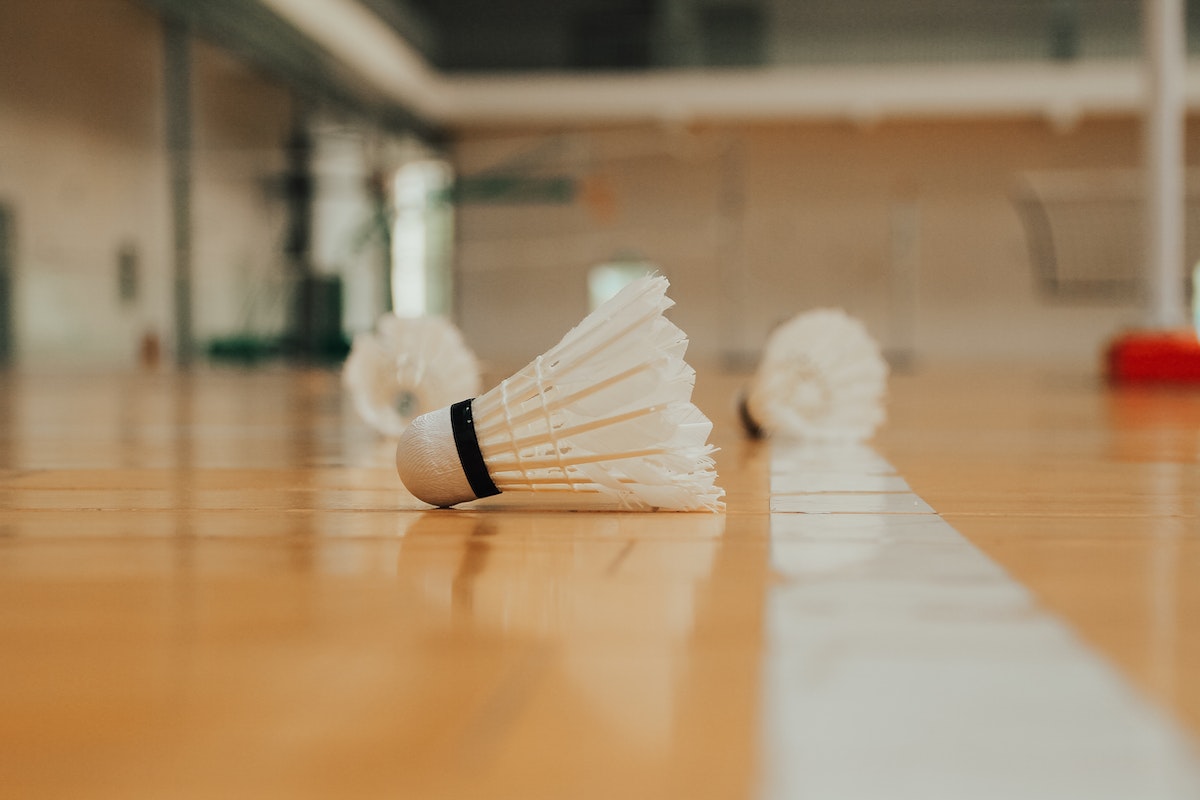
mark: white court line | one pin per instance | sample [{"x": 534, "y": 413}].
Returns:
[
  {"x": 849, "y": 503},
  {"x": 807, "y": 481},
  {"x": 903, "y": 663},
  {"x": 787, "y": 457}
]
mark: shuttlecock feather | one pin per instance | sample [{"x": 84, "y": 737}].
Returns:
[
  {"x": 606, "y": 411},
  {"x": 411, "y": 365},
  {"x": 821, "y": 377}
]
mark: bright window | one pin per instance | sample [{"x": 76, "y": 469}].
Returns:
[
  {"x": 421, "y": 239},
  {"x": 605, "y": 280}
]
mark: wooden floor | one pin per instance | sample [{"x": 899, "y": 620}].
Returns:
[
  {"x": 213, "y": 585},
  {"x": 1088, "y": 495}
]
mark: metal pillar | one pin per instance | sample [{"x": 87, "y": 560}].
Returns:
[
  {"x": 8, "y": 300},
  {"x": 1165, "y": 57},
  {"x": 308, "y": 298},
  {"x": 177, "y": 82}
]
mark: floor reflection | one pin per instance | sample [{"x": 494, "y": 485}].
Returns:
[
  {"x": 1154, "y": 423},
  {"x": 260, "y": 608},
  {"x": 615, "y": 597}
]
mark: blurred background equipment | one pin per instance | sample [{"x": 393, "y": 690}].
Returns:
[{"x": 6, "y": 286}]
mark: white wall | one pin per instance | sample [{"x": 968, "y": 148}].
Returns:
[
  {"x": 808, "y": 213},
  {"x": 82, "y": 169},
  {"x": 83, "y": 166}
]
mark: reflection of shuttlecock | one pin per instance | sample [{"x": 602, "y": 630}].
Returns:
[
  {"x": 410, "y": 366},
  {"x": 821, "y": 378},
  {"x": 606, "y": 411}
]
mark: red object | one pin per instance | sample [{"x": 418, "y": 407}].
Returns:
[{"x": 1155, "y": 357}]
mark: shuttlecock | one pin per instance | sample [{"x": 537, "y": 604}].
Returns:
[
  {"x": 411, "y": 365},
  {"x": 821, "y": 378},
  {"x": 606, "y": 411}
]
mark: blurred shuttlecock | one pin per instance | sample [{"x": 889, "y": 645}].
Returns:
[
  {"x": 411, "y": 365},
  {"x": 606, "y": 411},
  {"x": 821, "y": 378}
]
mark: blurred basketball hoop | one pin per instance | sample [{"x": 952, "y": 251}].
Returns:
[{"x": 1084, "y": 230}]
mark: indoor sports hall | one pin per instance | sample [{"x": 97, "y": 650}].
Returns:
[{"x": 594, "y": 399}]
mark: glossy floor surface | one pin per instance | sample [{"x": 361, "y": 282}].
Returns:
[{"x": 212, "y": 585}]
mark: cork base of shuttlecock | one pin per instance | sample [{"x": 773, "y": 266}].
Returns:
[
  {"x": 749, "y": 423},
  {"x": 428, "y": 463}
]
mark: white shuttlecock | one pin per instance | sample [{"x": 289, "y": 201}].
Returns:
[
  {"x": 605, "y": 411},
  {"x": 410, "y": 366},
  {"x": 822, "y": 378}
]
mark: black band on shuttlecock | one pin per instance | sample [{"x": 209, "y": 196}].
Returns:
[
  {"x": 753, "y": 429},
  {"x": 462, "y": 423}
]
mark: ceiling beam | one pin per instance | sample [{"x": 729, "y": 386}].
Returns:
[{"x": 363, "y": 53}]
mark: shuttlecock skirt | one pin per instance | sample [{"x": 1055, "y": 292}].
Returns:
[
  {"x": 606, "y": 411},
  {"x": 821, "y": 378}
]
